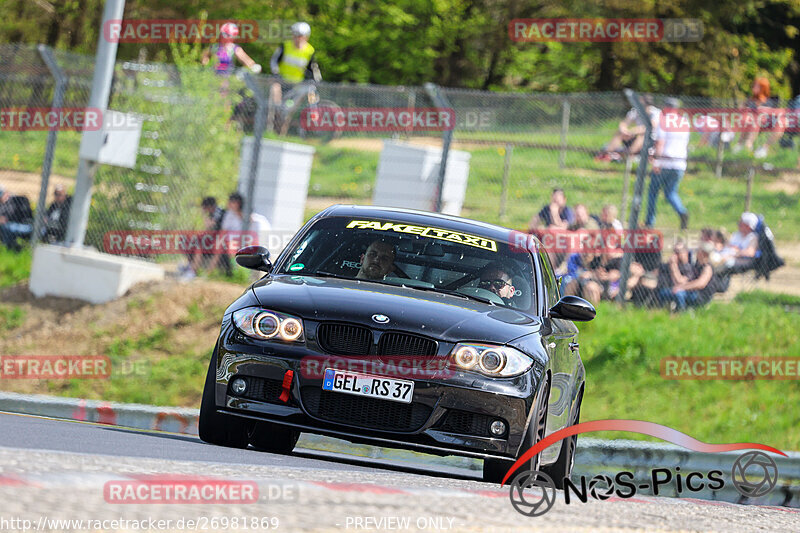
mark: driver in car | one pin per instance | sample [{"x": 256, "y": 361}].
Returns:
[
  {"x": 494, "y": 278},
  {"x": 377, "y": 260}
]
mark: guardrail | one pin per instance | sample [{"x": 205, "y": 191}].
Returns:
[{"x": 594, "y": 456}]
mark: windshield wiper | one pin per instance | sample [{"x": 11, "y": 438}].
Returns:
[
  {"x": 321, "y": 274},
  {"x": 454, "y": 293}
]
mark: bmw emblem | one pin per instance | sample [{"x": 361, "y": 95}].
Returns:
[{"x": 380, "y": 319}]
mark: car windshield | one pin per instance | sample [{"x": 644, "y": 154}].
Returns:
[{"x": 420, "y": 257}]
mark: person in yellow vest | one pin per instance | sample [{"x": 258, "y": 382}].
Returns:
[{"x": 294, "y": 61}]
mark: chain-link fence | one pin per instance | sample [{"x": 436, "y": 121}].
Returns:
[{"x": 516, "y": 147}]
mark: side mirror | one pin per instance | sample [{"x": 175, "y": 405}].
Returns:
[
  {"x": 573, "y": 308},
  {"x": 254, "y": 257}
]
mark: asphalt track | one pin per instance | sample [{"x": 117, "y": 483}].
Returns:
[{"x": 53, "y": 471}]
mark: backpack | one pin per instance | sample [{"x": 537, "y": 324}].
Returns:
[{"x": 767, "y": 258}]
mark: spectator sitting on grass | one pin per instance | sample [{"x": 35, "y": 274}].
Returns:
[
  {"x": 694, "y": 287},
  {"x": 608, "y": 218},
  {"x": 740, "y": 253},
  {"x": 583, "y": 220},
  {"x": 609, "y": 274},
  {"x": 580, "y": 279},
  {"x": 15, "y": 219},
  {"x": 556, "y": 214},
  {"x": 679, "y": 264},
  {"x": 57, "y": 216}
]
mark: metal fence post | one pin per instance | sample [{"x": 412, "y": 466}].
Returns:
[
  {"x": 440, "y": 101},
  {"x": 641, "y": 173},
  {"x": 98, "y": 98},
  {"x": 720, "y": 155},
  {"x": 52, "y": 135},
  {"x": 412, "y": 104},
  {"x": 259, "y": 126},
  {"x": 751, "y": 173},
  {"x": 626, "y": 185},
  {"x": 506, "y": 170},
  {"x": 562, "y": 155}
]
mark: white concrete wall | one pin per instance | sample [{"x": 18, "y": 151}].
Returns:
[{"x": 86, "y": 274}]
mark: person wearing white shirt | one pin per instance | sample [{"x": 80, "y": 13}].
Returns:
[
  {"x": 669, "y": 164},
  {"x": 740, "y": 252}
]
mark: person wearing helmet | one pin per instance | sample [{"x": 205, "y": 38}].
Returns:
[
  {"x": 294, "y": 60},
  {"x": 227, "y": 49}
]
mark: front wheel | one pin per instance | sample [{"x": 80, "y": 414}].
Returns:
[
  {"x": 296, "y": 124},
  {"x": 562, "y": 468},
  {"x": 214, "y": 427},
  {"x": 495, "y": 469},
  {"x": 274, "y": 438}
]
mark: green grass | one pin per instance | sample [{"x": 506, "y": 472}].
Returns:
[
  {"x": 175, "y": 380},
  {"x": 14, "y": 267},
  {"x": 147, "y": 369},
  {"x": 11, "y": 317},
  {"x": 622, "y": 350},
  {"x": 344, "y": 173},
  {"x": 24, "y": 151}
]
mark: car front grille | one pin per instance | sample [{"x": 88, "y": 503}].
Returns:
[
  {"x": 466, "y": 423},
  {"x": 392, "y": 343},
  {"x": 259, "y": 389},
  {"x": 368, "y": 413},
  {"x": 344, "y": 339}
]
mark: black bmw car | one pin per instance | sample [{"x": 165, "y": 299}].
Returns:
[{"x": 402, "y": 329}]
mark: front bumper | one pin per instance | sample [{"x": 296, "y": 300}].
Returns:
[{"x": 449, "y": 415}]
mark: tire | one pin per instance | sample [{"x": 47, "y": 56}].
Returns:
[
  {"x": 495, "y": 469},
  {"x": 294, "y": 125},
  {"x": 562, "y": 468},
  {"x": 216, "y": 428},
  {"x": 273, "y": 438}
]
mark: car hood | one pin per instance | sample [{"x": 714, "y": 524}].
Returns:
[{"x": 440, "y": 316}]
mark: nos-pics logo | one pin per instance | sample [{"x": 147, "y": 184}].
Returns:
[{"x": 532, "y": 493}]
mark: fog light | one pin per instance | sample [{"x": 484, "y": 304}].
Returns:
[
  {"x": 498, "y": 428},
  {"x": 238, "y": 386}
]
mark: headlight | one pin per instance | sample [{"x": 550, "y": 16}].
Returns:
[
  {"x": 265, "y": 324},
  {"x": 490, "y": 360}
]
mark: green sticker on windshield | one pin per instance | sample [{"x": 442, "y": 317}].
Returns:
[{"x": 297, "y": 266}]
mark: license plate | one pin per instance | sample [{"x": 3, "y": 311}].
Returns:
[{"x": 397, "y": 390}]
